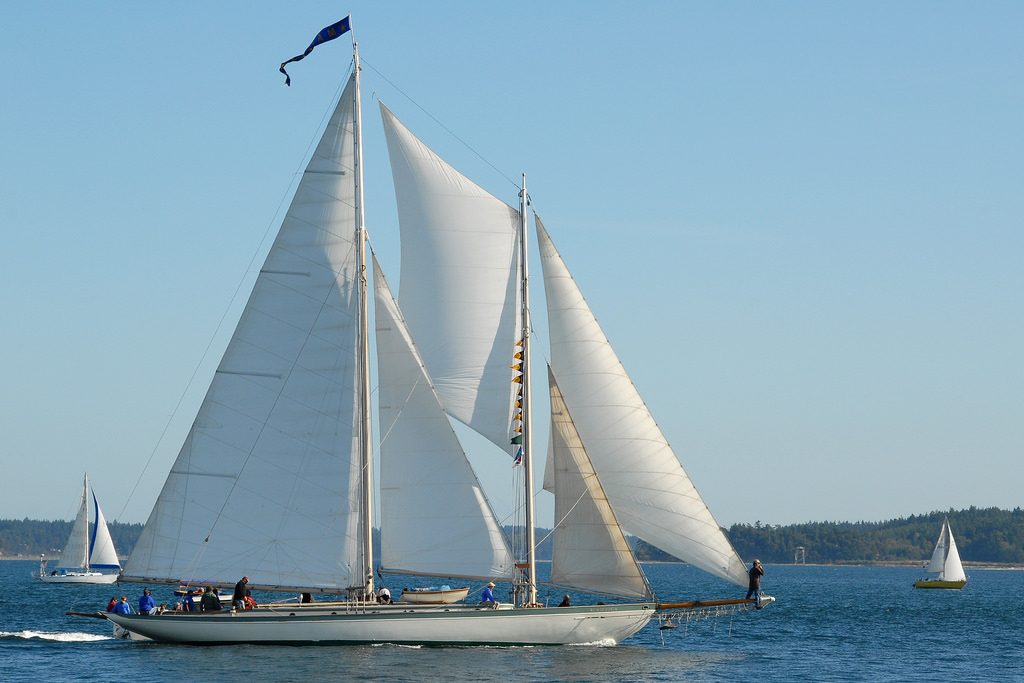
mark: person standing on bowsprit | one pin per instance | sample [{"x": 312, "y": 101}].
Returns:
[{"x": 754, "y": 586}]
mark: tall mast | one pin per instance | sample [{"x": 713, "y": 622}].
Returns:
[
  {"x": 366, "y": 455},
  {"x": 531, "y": 552},
  {"x": 85, "y": 505}
]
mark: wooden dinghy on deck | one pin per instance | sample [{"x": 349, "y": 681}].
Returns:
[{"x": 433, "y": 596}]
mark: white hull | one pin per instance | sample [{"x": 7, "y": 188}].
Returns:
[
  {"x": 603, "y": 624},
  {"x": 79, "y": 577}
]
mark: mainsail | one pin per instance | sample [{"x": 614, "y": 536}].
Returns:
[
  {"x": 76, "y": 550},
  {"x": 434, "y": 516},
  {"x": 652, "y": 496},
  {"x": 589, "y": 551},
  {"x": 459, "y": 281},
  {"x": 266, "y": 481}
]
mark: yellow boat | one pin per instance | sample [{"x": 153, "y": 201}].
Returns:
[{"x": 936, "y": 583}]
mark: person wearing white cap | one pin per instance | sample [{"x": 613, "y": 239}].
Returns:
[{"x": 487, "y": 596}]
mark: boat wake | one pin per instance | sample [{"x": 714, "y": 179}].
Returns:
[
  {"x": 604, "y": 642},
  {"x": 44, "y": 635}
]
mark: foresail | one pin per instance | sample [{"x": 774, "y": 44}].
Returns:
[
  {"x": 75, "y": 554},
  {"x": 459, "y": 281},
  {"x": 434, "y": 516},
  {"x": 102, "y": 554},
  {"x": 652, "y": 496},
  {"x": 264, "y": 483},
  {"x": 953, "y": 569},
  {"x": 589, "y": 551}
]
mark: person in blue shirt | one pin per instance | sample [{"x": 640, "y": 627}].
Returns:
[
  {"x": 123, "y": 607},
  {"x": 487, "y": 596},
  {"x": 147, "y": 605}
]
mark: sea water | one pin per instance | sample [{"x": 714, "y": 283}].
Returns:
[{"x": 829, "y": 624}]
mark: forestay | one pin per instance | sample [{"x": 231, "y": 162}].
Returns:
[
  {"x": 459, "y": 281},
  {"x": 434, "y": 517},
  {"x": 651, "y": 494},
  {"x": 273, "y": 452},
  {"x": 589, "y": 551}
]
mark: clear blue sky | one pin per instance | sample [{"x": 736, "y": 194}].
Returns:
[{"x": 799, "y": 223}]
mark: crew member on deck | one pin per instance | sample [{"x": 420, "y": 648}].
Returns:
[
  {"x": 123, "y": 607},
  {"x": 487, "y": 596},
  {"x": 147, "y": 605},
  {"x": 238, "y": 597},
  {"x": 210, "y": 601}
]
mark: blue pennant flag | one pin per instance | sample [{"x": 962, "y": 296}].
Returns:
[
  {"x": 329, "y": 33},
  {"x": 519, "y": 457}
]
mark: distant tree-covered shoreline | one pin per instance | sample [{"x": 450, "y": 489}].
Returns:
[
  {"x": 988, "y": 535},
  {"x": 34, "y": 537}
]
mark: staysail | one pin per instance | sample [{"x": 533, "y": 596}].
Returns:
[
  {"x": 459, "y": 281},
  {"x": 651, "y": 494},
  {"x": 589, "y": 551},
  {"x": 266, "y": 480},
  {"x": 434, "y": 517}
]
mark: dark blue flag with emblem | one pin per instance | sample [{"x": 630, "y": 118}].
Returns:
[{"x": 329, "y": 33}]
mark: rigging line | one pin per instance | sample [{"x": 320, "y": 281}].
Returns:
[
  {"x": 564, "y": 517},
  {"x": 438, "y": 122},
  {"x": 384, "y": 436},
  {"x": 234, "y": 297}
]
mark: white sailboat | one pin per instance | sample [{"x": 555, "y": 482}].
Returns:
[
  {"x": 274, "y": 479},
  {"x": 945, "y": 569},
  {"x": 89, "y": 549}
]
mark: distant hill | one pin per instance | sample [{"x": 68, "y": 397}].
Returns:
[
  {"x": 31, "y": 537},
  {"x": 982, "y": 535}
]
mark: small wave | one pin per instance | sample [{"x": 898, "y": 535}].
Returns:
[
  {"x": 60, "y": 637},
  {"x": 410, "y": 647}
]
